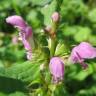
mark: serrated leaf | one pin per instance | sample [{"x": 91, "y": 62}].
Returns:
[
  {"x": 27, "y": 72},
  {"x": 60, "y": 50}
]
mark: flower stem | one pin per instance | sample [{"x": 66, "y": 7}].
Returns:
[
  {"x": 53, "y": 47},
  {"x": 53, "y": 40}
]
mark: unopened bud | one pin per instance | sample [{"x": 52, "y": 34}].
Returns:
[
  {"x": 56, "y": 67},
  {"x": 55, "y": 17},
  {"x": 48, "y": 28}
]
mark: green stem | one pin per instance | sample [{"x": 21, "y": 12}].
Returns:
[
  {"x": 53, "y": 46},
  {"x": 53, "y": 40}
]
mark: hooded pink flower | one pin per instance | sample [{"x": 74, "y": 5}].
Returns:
[
  {"x": 25, "y": 32},
  {"x": 81, "y": 52},
  {"x": 56, "y": 67},
  {"x": 16, "y": 21}
]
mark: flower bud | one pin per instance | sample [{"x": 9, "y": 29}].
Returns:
[
  {"x": 56, "y": 67},
  {"x": 48, "y": 29},
  {"x": 55, "y": 17}
]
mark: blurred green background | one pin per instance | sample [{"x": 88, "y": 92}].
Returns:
[{"x": 77, "y": 24}]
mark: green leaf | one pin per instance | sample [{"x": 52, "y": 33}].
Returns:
[
  {"x": 73, "y": 8},
  {"x": 92, "y": 40},
  {"x": 92, "y": 15},
  {"x": 2, "y": 94},
  {"x": 18, "y": 94},
  {"x": 88, "y": 91},
  {"x": 61, "y": 50},
  {"x": 33, "y": 2},
  {"x": 60, "y": 90},
  {"x": 35, "y": 18},
  {"x": 40, "y": 2},
  {"x": 27, "y": 72},
  {"x": 69, "y": 30},
  {"x": 83, "y": 34},
  {"x": 13, "y": 94},
  {"x": 81, "y": 75}
]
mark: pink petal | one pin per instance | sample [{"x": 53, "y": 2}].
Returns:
[
  {"x": 26, "y": 45},
  {"x": 16, "y": 21},
  {"x": 85, "y": 50},
  {"x": 28, "y": 31},
  {"x": 56, "y": 67}
]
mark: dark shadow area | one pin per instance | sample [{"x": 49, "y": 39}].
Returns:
[
  {"x": 8, "y": 85},
  {"x": 73, "y": 86}
]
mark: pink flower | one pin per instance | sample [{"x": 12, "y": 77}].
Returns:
[
  {"x": 25, "y": 32},
  {"x": 55, "y": 17},
  {"x": 56, "y": 67},
  {"x": 16, "y": 21},
  {"x": 25, "y": 36},
  {"x": 81, "y": 52}
]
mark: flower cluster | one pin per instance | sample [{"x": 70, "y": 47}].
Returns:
[{"x": 56, "y": 66}]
